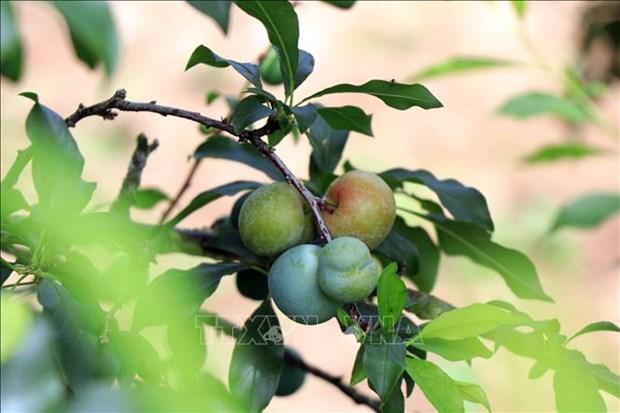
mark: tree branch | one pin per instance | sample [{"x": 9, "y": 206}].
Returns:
[
  {"x": 426, "y": 306},
  {"x": 106, "y": 110},
  {"x": 294, "y": 360}
]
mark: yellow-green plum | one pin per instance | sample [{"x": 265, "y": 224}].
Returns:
[
  {"x": 274, "y": 218},
  {"x": 270, "y": 68},
  {"x": 361, "y": 205},
  {"x": 347, "y": 272},
  {"x": 294, "y": 286}
]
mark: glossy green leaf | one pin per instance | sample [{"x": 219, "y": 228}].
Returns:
[
  {"x": 532, "y": 104},
  {"x": 428, "y": 266},
  {"x": 183, "y": 291},
  {"x": 384, "y": 363},
  {"x": 464, "y": 203},
  {"x": 305, "y": 116},
  {"x": 395, "y": 403},
  {"x": 587, "y": 211},
  {"x": 597, "y": 326},
  {"x": 252, "y": 284},
  {"x": 221, "y": 147},
  {"x": 471, "y": 321},
  {"x": 93, "y": 32},
  {"x": 305, "y": 66},
  {"x": 551, "y": 153},
  {"x": 473, "y": 393},
  {"x": 464, "y": 239},
  {"x": 341, "y": 4},
  {"x": 280, "y": 22},
  {"x": 257, "y": 359},
  {"x": 347, "y": 117},
  {"x": 147, "y": 198},
  {"x": 248, "y": 111},
  {"x": 454, "y": 350},
  {"x": 11, "y": 59},
  {"x": 392, "y": 296},
  {"x": 576, "y": 390},
  {"x": 458, "y": 65},
  {"x": 327, "y": 144},
  {"x": 211, "y": 195},
  {"x": 397, "y": 95},
  {"x": 30, "y": 379},
  {"x": 400, "y": 246},
  {"x": 204, "y": 55},
  {"x": 439, "y": 388},
  {"x": 218, "y": 10},
  {"x": 358, "y": 374}
]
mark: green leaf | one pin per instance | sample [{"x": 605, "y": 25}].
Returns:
[
  {"x": 147, "y": 198},
  {"x": 93, "y": 32},
  {"x": 252, "y": 284},
  {"x": 221, "y": 147},
  {"x": 15, "y": 322},
  {"x": 392, "y": 295},
  {"x": 327, "y": 144},
  {"x": 305, "y": 116},
  {"x": 57, "y": 165},
  {"x": 5, "y": 270},
  {"x": 464, "y": 239},
  {"x": 183, "y": 291},
  {"x": 426, "y": 306},
  {"x": 30, "y": 379},
  {"x": 280, "y": 21},
  {"x": 211, "y": 195},
  {"x": 576, "y": 390},
  {"x": 606, "y": 379},
  {"x": 397, "y": 95},
  {"x": 358, "y": 374},
  {"x": 305, "y": 66},
  {"x": 597, "y": 326},
  {"x": 10, "y": 43},
  {"x": 460, "y": 64},
  {"x": 439, "y": 388},
  {"x": 454, "y": 350},
  {"x": 341, "y": 4},
  {"x": 400, "y": 247},
  {"x": 212, "y": 95},
  {"x": 384, "y": 362},
  {"x": 471, "y": 321},
  {"x": 464, "y": 203},
  {"x": 587, "y": 211},
  {"x": 218, "y": 10},
  {"x": 473, "y": 393},
  {"x": 257, "y": 359},
  {"x": 30, "y": 95},
  {"x": 347, "y": 117},
  {"x": 395, "y": 403},
  {"x": 519, "y": 7},
  {"x": 248, "y": 111},
  {"x": 204, "y": 55},
  {"x": 532, "y": 104},
  {"x": 12, "y": 201},
  {"x": 551, "y": 153},
  {"x": 187, "y": 346}
]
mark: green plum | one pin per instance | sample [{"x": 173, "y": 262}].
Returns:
[
  {"x": 347, "y": 272},
  {"x": 270, "y": 68},
  {"x": 361, "y": 205},
  {"x": 294, "y": 286},
  {"x": 274, "y": 218}
]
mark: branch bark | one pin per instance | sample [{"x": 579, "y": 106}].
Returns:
[{"x": 107, "y": 110}]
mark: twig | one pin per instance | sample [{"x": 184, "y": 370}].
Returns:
[
  {"x": 294, "y": 360},
  {"x": 106, "y": 109},
  {"x": 131, "y": 183},
  {"x": 184, "y": 187}
]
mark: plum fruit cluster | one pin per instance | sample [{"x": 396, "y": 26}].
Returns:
[{"x": 308, "y": 282}]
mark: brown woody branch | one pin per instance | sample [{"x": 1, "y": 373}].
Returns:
[{"x": 107, "y": 109}]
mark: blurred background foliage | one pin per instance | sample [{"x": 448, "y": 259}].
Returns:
[{"x": 531, "y": 119}]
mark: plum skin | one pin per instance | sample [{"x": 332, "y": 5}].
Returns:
[
  {"x": 274, "y": 218},
  {"x": 347, "y": 272},
  {"x": 363, "y": 207},
  {"x": 294, "y": 286}
]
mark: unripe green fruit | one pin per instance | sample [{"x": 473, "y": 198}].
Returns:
[
  {"x": 347, "y": 272},
  {"x": 273, "y": 219},
  {"x": 291, "y": 379},
  {"x": 294, "y": 286},
  {"x": 363, "y": 207},
  {"x": 270, "y": 68}
]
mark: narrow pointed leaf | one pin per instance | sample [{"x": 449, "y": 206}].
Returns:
[
  {"x": 532, "y": 104},
  {"x": 473, "y": 393},
  {"x": 553, "y": 153},
  {"x": 437, "y": 386},
  {"x": 458, "y": 65},
  {"x": 587, "y": 211},
  {"x": 218, "y": 10},
  {"x": 598, "y": 326},
  {"x": 392, "y": 296},
  {"x": 204, "y": 55},
  {"x": 347, "y": 117},
  {"x": 248, "y": 111}
]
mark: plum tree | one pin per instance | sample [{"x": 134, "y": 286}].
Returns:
[
  {"x": 360, "y": 205},
  {"x": 273, "y": 218},
  {"x": 294, "y": 286},
  {"x": 347, "y": 272},
  {"x": 270, "y": 68}
]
